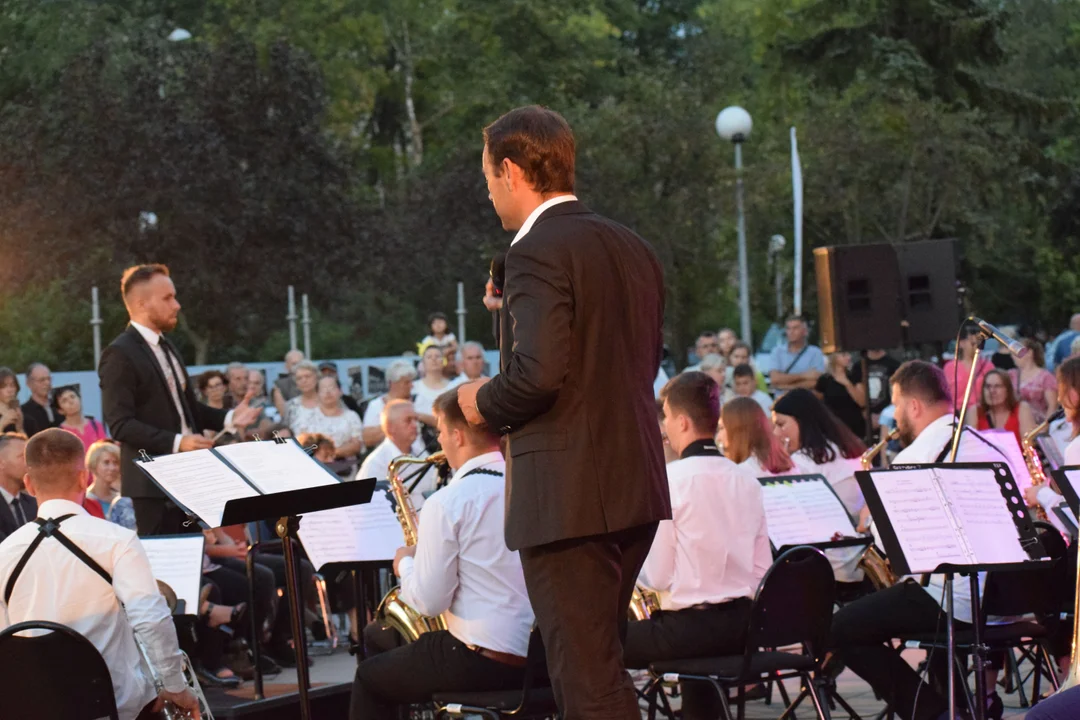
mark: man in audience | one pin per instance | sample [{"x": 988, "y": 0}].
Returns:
[
  {"x": 880, "y": 367},
  {"x": 111, "y": 579},
  {"x": 472, "y": 362},
  {"x": 401, "y": 430},
  {"x": 17, "y": 507},
  {"x": 38, "y": 413},
  {"x": 285, "y": 386},
  {"x": 399, "y": 377},
  {"x": 707, "y": 344},
  {"x": 237, "y": 374},
  {"x": 744, "y": 382},
  {"x": 708, "y": 560},
  {"x": 797, "y": 363},
  {"x": 1062, "y": 344},
  {"x": 862, "y": 629},
  {"x": 461, "y": 569}
]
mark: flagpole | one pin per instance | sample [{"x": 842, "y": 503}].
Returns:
[{"x": 797, "y": 193}]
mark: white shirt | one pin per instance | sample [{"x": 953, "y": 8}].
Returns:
[
  {"x": 168, "y": 364},
  {"x": 925, "y": 450},
  {"x": 463, "y": 567},
  {"x": 752, "y": 468},
  {"x": 764, "y": 400},
  {"x": 1046, "y": 495},
  {"x": 424, "y": 397},
  {"x": 840, "y": 474},
  {"x": 716, "y": 547},
  {"x": 378, "y": 462},
  {"x": 531, "y": 220},
  {"x": 57, "y": 586},
  {"x": 342, "y": 428},
  {"x": 373, "y": 418}
]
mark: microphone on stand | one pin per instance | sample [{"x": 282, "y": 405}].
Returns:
[{"x": 1016, "y": 347}]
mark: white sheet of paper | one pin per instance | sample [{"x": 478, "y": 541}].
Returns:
[
  {"x": 177, "y": 562},
  {"x": 985, "y": 517},
  {"x": 200, "y": 482},
  {"x": 352, "y": 534},
  {"x": 1065, "y": 510},
  {"x": 918, "y": 518},
  {"x": 1006, "y": 441},
  {"x": 277, "y": 467},
  {"x": 804, "y": 512}
]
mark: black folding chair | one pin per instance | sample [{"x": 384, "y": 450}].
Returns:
[
  {"x": 534, "y": 700},
  {"x": 59, "y": 674},
  {"x": 793, "y": 607}
]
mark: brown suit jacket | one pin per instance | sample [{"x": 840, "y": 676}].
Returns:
[{"x": 580, "y": 346}]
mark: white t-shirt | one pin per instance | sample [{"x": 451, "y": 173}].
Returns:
[
  {"x": 339, "y": 428},
  {"x": 424, "y": 397}
]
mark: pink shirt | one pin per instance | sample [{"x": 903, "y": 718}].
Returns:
[
  {"x": 1034, "y": 391},
  {"x": 957, "y": 378},
  {"x": 92, "y": 431}
]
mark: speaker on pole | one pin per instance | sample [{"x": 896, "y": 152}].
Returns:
[{"x": 858, "y": 297}]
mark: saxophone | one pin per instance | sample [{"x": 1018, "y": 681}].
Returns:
[
  {"x": 873, "y": 563},
  {"x": 392, "y": 612},
  {"x": 1031, "y": 451}
]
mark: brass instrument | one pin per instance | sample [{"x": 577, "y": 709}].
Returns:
[
  {"x": 392, "y": 612},
  {"x": 873, "y": 563},
  {"x": 1031, "y": 452},
  {"x": 643, "y": 603}
]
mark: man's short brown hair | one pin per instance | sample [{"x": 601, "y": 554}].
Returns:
[
  {"x": 54, "y": 458},
  {"x": 138, "y": 274},
  {"x": 923, "y": 380},
  {"x": 697, "y": 396},
  {"x": 446, "y": 408},
  {"x": 537, "y": 140}
]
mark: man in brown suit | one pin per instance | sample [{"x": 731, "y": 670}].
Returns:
[{"x": 580, "y": 346}]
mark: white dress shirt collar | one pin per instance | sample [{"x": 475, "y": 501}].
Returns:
[
  {"x": 930, "y": 442},
  {"x": 151, "y": 337},
  {"x": 535, "y": 214},
  {"x": 477, "y": 462}
]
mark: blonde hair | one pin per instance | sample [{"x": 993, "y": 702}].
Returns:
[
  {"x": 749, "y": 432},
  {"x": 99, "y": 448}
]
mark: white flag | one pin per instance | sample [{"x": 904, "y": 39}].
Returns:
[{"x": 797, "y": 193}]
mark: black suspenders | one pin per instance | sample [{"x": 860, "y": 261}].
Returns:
[{"x": 51, "y": 528}]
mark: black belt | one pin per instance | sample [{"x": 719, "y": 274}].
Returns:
[{"x": 51, "y": 528}]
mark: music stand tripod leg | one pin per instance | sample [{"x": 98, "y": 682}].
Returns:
[
  {"x": 287, "y": 528},
  {"x": 951, "y": 642},
  {"x": 977, "y": 647}
]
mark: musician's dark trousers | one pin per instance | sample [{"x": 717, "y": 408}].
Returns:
[
  {"x": 702, "y": 631},
  {"x": 861, "y": 631},
  {"x": 1062, "y": 706},
  {"x": 580, "y": 591},
  {"x": 437, "y": 662},
  {"x": 160, "y": 516}
]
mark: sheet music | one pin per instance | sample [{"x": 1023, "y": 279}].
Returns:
[
  {"x": 983, "y": 513},
  {"x": 352, "y": 534},
  {"x": 177, "y": 562},
  {"x": 918, "y": 517},
  {"x": 801, "y": 512},
  {"x": 276, "y": 467},
  {"x": 1005, "y": 440},
  {"x": 199, "y": 481}
]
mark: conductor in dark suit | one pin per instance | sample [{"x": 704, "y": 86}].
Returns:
[
  {"x": 580, "y": 346},
  {"x": 147, "y": 399}
]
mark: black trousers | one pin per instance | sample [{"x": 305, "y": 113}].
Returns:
[
  {"x": 580, "y": 591},
  {"x": 437, "y": 662},
  {"x": 861, "y": 631},
  {"x": 704, "y": 631},
  {"x": 231, "y": 579},
  {"x": 160, "y": 516}
]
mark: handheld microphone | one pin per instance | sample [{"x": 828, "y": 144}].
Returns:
[
  {"x": 498, "y": 273},
  {"x": 1015, "y": 346}
]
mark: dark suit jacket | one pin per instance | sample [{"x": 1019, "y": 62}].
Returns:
[
  {"x": 7, "y": 518},
  {"x": 139, "y": 409},
  {"x": 36, "y": 418},
  {"x": 580, "y": 347}
]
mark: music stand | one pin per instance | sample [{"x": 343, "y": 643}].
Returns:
[
  {"x": 968, "y": 559},
  {"x": 796, "y": 520},
  {"x": 1066, "y": 487}
]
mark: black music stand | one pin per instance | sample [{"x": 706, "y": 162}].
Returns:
[
  {"x": 1066, "y": 487},
  {"x": 1026, "y": 534}
]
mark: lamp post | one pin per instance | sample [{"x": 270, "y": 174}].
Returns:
[{"x": 734, "y": 124}]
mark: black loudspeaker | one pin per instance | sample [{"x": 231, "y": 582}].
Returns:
[
  {"x": 859, "y": 300},
  {"x": 928, "y": 289}
]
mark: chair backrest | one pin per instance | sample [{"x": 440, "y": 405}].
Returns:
[
  {"x": 536, "y": 672},
  {"x": 59, "y": 674},
  {"x": 1038, "y": 591},
  {"x": 794, "y": 603}
]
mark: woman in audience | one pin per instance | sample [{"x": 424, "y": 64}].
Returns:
[
  {"x": 432, "y": 384},
  {"x": 820, "y": 443},
  {"x": 332, "y": 419},
  {"x": 212, "y": 385},
  {"x": 67, "y": 402},
  {"x": 715, "y": 366},
  {"x": 959, "y": 369},
  {"x": 747, "y": 439},
  {"x": 840, "y": 394},
  {"x": 999, "y": 407},
  {"x": 300, "y": 410},
  {"x": 103, "y": 462},
  {"x": 1034, "y": 384},
  {"x": 741, "y": 355},
  {"x": 11, "y": 419}
]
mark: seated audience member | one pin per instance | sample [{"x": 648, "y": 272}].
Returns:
[
  {"x": 328, "y": 368},
  {"x": 431, "y": 384},
  {"x": 450, "y": 369},
  {"x": 726, "y": 339},
  {"x": 237, "y": 375},
  {"x": 708, "y": 560},
  {"x": 880, "y": 367},
  {"x": 796, "y": 363},
  {"x": 259, "y": 398},
  {"x": 299, "y": 410},
  {"x": 461, "y": 569},
  {"x": 11, "y": 418},
  {"x": 67, "y": 402},
  {"x": 17, "y": 507},
  {"x": 334, "y": 420},
  {"x": 706, "y": 344},
  {"x": 325, "y": 450},
  {"x": 400, "y": 375},
  {"x": 1033, "y": 383},
  {"x": 820, "y": 443},
  {"x": 103, "y": 464},
  {"x": 715, "y": 366},
  {"x": 741, "y": 355},
  {"x": 212, "y": 386},
  {"x": 285, "y": 385},
  {"x": 959, "y": 368},
  {"x": 400, "y": 427},
  {"x": 862, "y": 629},
  {"x": 747, "y": 439},
  {"x": 472, "y": 362},
  {"x": 37, "y": 412},
  {"x": 40, "y": 579},
  {"x": 999, "y": 408},
  {"x": 837, "y": 389},
  {"x": 745, "y": 385}
]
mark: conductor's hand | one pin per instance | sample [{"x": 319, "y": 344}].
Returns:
[
  {"x": 467, "y": 401},
  {"x": 195, "y": 442},
  {"x": 243, "y": 414},
  {"x": 185, "y": 700},
  {"x": 491, "y": 301}
]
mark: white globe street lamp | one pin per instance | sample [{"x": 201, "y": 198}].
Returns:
[{"x": 734, "y": 124}]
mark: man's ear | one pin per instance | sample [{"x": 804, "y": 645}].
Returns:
[
  {"x": 29, "y": 485},
  {"x": 459, "y": 437}
]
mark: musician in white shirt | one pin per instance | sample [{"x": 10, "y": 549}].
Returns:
[
  {"x": 861, "y": 629},
  {"x": 1068, "y": 377},
  {"x": 461, "y": 569},
  {"x": 105, "y": 612},
  {"x": 399, "y": 424},
  {"x": 707, "y": 561}
]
